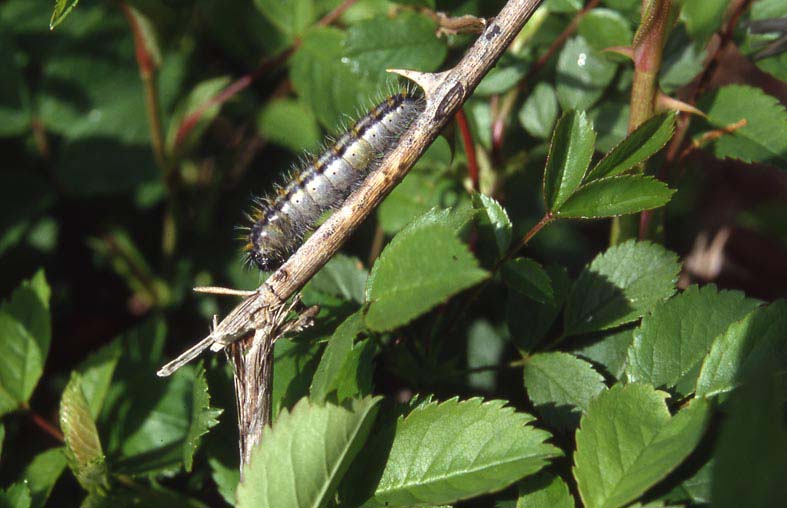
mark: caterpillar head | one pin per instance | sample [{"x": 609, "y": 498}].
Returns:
[{"x": 263, "y": 249}]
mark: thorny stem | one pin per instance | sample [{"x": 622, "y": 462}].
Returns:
[
  {"x": 509, "y": 100},
  {"x": 648, "y": 51},
  {"x": 467, "y": 141},
  {"x": 445, "y": 93},
  {"x": 675, "y": 152},
  {"x": 648, "y": 48}
]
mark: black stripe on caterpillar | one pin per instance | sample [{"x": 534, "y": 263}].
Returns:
[{"x": 280, "y": 221}]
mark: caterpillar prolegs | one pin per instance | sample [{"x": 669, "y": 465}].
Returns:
[{"x": 280, "y": 221}]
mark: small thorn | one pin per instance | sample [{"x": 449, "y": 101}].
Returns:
[
  {"x": 212, "y": 290},
  {"x": 626, "y": 51},
  {"x": 666, "y": 103},
  {"x": 428, "y": 81}
]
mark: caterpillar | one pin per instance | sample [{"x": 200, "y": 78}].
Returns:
[{"x": 280, "y": 221}]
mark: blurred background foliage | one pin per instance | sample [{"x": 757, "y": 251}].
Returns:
[{"x": 134, "y": 134}]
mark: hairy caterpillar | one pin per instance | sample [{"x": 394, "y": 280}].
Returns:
[{"x": 280, "y": 221}]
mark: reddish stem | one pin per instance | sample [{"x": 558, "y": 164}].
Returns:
[
  {"x": 147, "y": 71},
  {"x": 188, "y": 123},
  {"x": 467, "y": 141},
  {"x": 546, "y": 219},
  {"x": 191, "y": 121},
  {"x": 44, "y": 425},
  {"x": 498, "y": 124}
]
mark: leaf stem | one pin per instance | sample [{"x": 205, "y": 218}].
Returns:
[
  {"x": 467, "y": 141},
  {"x": 538, "y": 226},
  {"x": 546, "y": 219},
  {"x": 43, "y": 424}
]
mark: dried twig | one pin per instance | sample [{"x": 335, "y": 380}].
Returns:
[{"x": 261, "y": 313}]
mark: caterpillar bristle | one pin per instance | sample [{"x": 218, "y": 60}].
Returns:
[{"x": 322, "y": 181}]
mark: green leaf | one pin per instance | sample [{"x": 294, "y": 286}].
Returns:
[
  {"x": 153, "y": 496},
  {"x": 422, "y": 266},
  {"x": 750, "y": 463},
  {"x": 26, "y": 332},
  {"x": 504, "y": 76},
  {"x": 703, "y": 18},
  {"x": 671, "y": 342},
  {"x": 570, "y": 152},
  {"x": 485, "y": 346},
  {"x": 304, "y": 455},
  {"x": 291, "y": 17},
  {"x": 407, "y": 41},
  {"x": 226, "y": 479},
  {"x": 200, "y": 95},
  {"x": 605, "y": 28},
  {"x": 610, "y": 351},
  {"x": 15, "y": 103},
  {"x": 289, "y": 123},
  {"x": 682, "y": 61},
  {"x": 544, "y": 490},
  {"x": 22, "y": 364},
  {"x": 529, "y": 321},
  {"x": 442, "y": 453},
  {"x": 96, "y": 374},
  {"x": 146, "y": 419},
  {"x": 324, "y": 82},
  {"x": 493, "y": 223},
  {"x": 527, "y": 277},
  {"x": 763, "y": 10},
  {"x": 627, "y": 442},
  {"x": 344, "y": 368},
  {"x": 42, "y": 473},
  {"x": 83, "y": 447},
  {"x": 539, "y": 112},
  {"x": 561, "y": 387},
  {"x": 761, "y": 139},
  {"x": 295, "y": 363},
  {"x": 743, "y": 348},
  {"x": 24, "y": 196},
  {"x": 563, "y": 5},
  {"x": 698, "y": 487},
  {"x": 639, "y": 146},
  {"x": 616, "y": 195},
  {"x": 620, "y": 285},
  {"x": 342, "y": 276},
  {"x": 62, "y": 9},
  {"x": 610, "y": 119},
  {"x": 105, "y": 127},
  {"x": 15, "y": 496},
  {"x": 424, "y": 188},
  {"x": 29, "y": 304},
  {"x": 582, "y": 74},
  {"x": 203, "y": 417}
]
